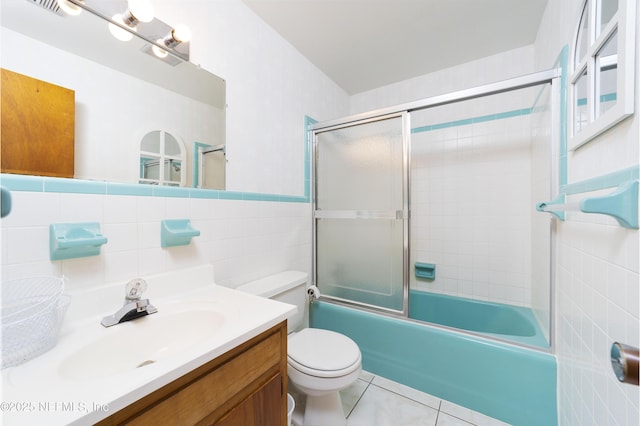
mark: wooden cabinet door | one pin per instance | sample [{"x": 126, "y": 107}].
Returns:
[
  {"x": 38, "y": 127},
  {"x": 262, "y": 408}
]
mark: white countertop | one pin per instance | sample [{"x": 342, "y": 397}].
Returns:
[{"x": 42, "y": 390}]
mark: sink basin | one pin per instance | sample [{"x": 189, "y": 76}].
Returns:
[{"x": 141, "y": 342}]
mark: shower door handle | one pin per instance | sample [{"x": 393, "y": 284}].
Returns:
[{"x": 361, "y": 214}]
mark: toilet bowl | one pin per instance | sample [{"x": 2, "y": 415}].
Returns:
[{"x": 320, "y": 362}]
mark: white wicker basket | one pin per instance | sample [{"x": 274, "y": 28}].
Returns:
[{"x": 32, "y": 313}]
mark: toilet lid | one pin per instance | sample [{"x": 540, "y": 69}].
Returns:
[{"x": 322, "y": 352}]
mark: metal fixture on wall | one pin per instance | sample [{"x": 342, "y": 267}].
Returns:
[
  {"x": 128, "y": 17},
  {"x": 624, "y": 361},
  {"x": 137, "y": 11}
]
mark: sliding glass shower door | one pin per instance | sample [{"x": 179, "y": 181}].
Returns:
[{"x": 361, "y": 212}]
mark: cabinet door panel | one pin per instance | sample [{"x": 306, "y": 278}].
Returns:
[{"x": 260, "y": 409}]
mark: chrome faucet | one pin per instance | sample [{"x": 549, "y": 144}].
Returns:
[{"x": 134, "y": 307}]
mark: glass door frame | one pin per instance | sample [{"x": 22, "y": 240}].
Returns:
[
  {"x": 399, "y": 215},
  {"x": 553, "y": 76}
]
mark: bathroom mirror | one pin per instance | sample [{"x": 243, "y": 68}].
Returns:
[{"x": 122, "y": 91}]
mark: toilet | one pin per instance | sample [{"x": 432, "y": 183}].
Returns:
[{"x": 319, "y": 362}]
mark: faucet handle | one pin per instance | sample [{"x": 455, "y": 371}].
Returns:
[{"x": 135, "y": 288}]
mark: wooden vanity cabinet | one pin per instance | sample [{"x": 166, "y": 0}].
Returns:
[{"x": 243, "y": 387}]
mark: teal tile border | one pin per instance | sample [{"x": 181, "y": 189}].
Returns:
[
  {"x": 562, "y": 61},
  {"x": 608, "y": 97},
  {"x": 74, "y": 186},
  {"x": 15, "y": 182},
  {"x": 196, "y": 162},
  {"x": 22, "y": 182},
  {"x": 473, "y": 120},
  {"x": 114, "y": 188}
]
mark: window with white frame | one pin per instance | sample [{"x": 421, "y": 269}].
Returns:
[{"x": 602, "y": 78}]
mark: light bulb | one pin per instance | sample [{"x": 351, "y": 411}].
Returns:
[
  {"x": 181, "y": 33},
  {"x": 69, "y": 8},
  {"x": 160, "y": 53},
  {"x": 142, "y": 10},
  {"x": 119, "y": 33}
]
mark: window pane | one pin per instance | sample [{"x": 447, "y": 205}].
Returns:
[
  {"x": 581, "y": 115},
  {"x": 607, "y": 64},
  {"x": 151, "y": 142},
  {"x": 582, "y": 41},
  {"x": 172, "y": 169},
  {"x": 608, "y": 8},
  {"x": 171, "y": 145}
]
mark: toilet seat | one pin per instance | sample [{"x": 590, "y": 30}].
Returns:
[{"x": 323, "y": 353}]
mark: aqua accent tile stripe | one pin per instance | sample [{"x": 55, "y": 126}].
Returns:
[
  {"x": 76, "y": 186},
  {"x": 114, "y": 188},
  {"x": 562, "y": 62},
  {"x": 196, "y": 162},
  {"x": 22, "y": 182},
  {"x": 609, "y": 97},
  {"x": 467, "y": 121},
  {"x": 204, "y": 193}
]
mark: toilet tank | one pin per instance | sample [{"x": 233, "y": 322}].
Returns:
[{"x": 288, "y": 287}]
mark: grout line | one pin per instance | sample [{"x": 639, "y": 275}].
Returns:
[
  {"x": 404, "y": 396},
  {"x": 361, "y": 396}
]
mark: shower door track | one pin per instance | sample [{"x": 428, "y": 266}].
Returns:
[{"x": 522, "y": 82}]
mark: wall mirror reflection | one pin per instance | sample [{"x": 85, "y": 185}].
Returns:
[
  {"x": 122, "y": 91},
  {"x": 162, "y": 158}
]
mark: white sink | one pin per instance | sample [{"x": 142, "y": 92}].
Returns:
[
  {"x": 141, "y": 342},
  {"x": 111, "y": 368}
]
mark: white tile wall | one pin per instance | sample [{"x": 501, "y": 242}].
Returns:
[
  {"x": 598, "y": 279},
  {"x": 493, "y": 68},
  {"x": 459, "y": 173},
  {"x": 471, "y": 210},
  {"x": 242, "y": 239},
  {"x": 270, "y": 89}
]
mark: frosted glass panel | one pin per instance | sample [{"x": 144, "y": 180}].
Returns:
[
  {"x": 359, "y": 179},
  {"x": 361, "y": 260},
  {"x": 360, "y": 167}
]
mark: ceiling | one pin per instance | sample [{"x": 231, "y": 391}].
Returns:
[{"x": 365, "y": 44}]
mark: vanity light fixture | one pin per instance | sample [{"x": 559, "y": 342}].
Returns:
[
  {"x": 69, "y": 8},
  {"x": 137, "y": 11},
  {"x": 180, "y": 34}
]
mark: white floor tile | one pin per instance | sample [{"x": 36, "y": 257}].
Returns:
[
  {"x": 445, "y": 419},
  {"x": 407, "y": 391},
  {"x": 379, "y": 407},
  {"x": 351, "y": 395},
  {"x": 469, "y": 415},
  {"x": 377, "y": 401}
]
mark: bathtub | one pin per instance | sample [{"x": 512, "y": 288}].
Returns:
[
  {"x": 504, "y": 381},
  {"x": 514, "y": 323}
]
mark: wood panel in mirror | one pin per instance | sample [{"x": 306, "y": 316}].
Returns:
[{"x": 38, "y": 121}]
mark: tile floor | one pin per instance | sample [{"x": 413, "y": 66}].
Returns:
[{"x": 376, "y": 401}]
